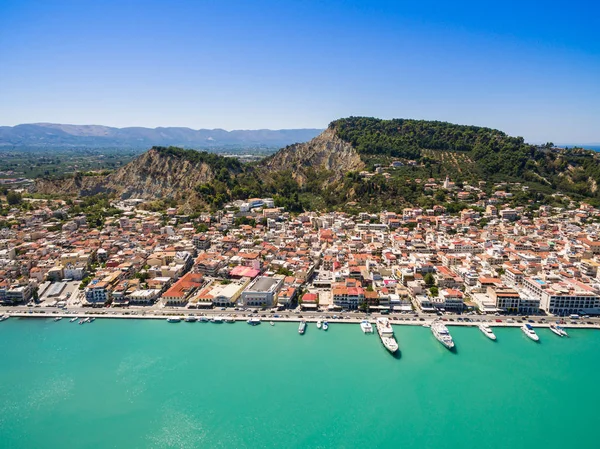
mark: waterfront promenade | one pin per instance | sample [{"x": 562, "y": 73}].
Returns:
[{"x": 407, "y": 319}]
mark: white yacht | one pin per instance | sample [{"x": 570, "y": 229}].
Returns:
[
  {"x": 366, "y": 327},
  {"x": 487, "y": 331},
  {"x": 4, "y": 317},
  {"x": 58, "y": 318},
  {"x": 87, "y": 320},
  {"x": 302, "y": 327},
  {"x": 72, "y": 320},
  {"x": 555, "y": 329},
  {"x": 528, "y": 330},
  {"x": 325, "y": 325},
  {"x": 562, "y": 331},
  {"x": 253, "y": 321},
  {"x": 386, "y": 334},
  {"x": 319, "y": 324},
  {"x": 173, "y": 319},
  {"x": 191, "y": 319},
  {"x": 441, "y": 334}
]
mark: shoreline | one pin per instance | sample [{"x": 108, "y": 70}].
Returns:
[{"x": 165, "y": 316}]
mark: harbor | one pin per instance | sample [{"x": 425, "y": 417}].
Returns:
[{"x": 154, "y": 373}]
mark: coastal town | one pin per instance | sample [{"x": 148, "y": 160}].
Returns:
[{"x": 253, "y": 257}]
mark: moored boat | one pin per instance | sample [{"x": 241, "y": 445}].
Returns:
[
  {"x": 217, "y": 319},
  {"x": 173, "y": 319},
  {"x": 441, "y": 334},
  {"x": 528, "y": 330},
  {"x": 229, "y": 320},
  {"x": 325, "y": 325},
  {"x": 562, "y": 331},
  {"x": 386, "y": 334},
  {"x": 554, "y": 329},
  {"x": 204, "y": 319},
  {"x": 253, "y": 321},
  {"x": 302, "y": 327},
  {"x": 487, "y": 331},
  {"x": 319, "y": 324},
  {"x": 72, "y": 320},
  {"x": 272, "y": 323},
  {"x": 366, "y": 327},
  {"x": 58, "y": 318},
  {"x": 4, "y": 317},
  {"x": 191, "y": 319}
]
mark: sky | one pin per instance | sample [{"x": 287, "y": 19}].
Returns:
[{"x": 531, "y": 69}]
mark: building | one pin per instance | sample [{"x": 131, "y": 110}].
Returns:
[
  {"x": 262, "y": 292},
  {"x": 562, "y": 296},
  {"x": 179, "y": 292}
]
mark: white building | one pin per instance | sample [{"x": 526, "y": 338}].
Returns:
[{"x": 261, "y": 292}]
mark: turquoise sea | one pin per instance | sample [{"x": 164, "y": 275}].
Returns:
[{"x": 150, "y": 384}]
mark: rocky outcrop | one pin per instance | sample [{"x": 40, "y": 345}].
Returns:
[
  {"x": 325, "y": 152},
  {"x": 152, "y": 175}
]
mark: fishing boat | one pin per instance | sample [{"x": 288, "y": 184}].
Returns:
[
  {"x": 325, "y": 325},
  {"x": 528, "y": 330},
  {"x": 302, "y": 327},
  {"x": 487, "y": 331}
]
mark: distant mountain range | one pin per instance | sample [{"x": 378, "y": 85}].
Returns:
[{"x": 97, "y": 136}]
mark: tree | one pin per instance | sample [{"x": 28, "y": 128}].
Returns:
[
  {"x": 434, "y": 291},
  {"x": 429, "y": 280},
  {"x": 13, "y": 198}
]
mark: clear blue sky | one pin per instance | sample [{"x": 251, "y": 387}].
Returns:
[{"x": 528, "y": 68}]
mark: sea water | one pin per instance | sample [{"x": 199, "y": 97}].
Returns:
[{"x": 150, "y": 384}]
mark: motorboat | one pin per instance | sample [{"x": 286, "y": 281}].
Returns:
[
  {"x": 528, "y": 330},
  {"x": 204, "y": 319},
  {"x": 554, "y": 329},
  {"x": 562, "y": 330},
  {"x": 58, "y": 318},
  {"x": 191, "y": 319},
  {"x": 319, "y": 324},
  {"x": 487, "y": 331},
  {"x": 72, "y": 320},
  {"x": 325, "y": 325},
  {"x": 441, "y": 334},
  {"x": 302, "y": 327},
  {"x": 229, "y": 320},
  {"x": 386, "y": 334},
  {"x": 217, "y": 319},
  {"x": 4, "y": 317},
  {"x": 253, "y": 321},
  {"x": 173, "y": 319},
  {"x": 366, "y": 327},
  {"x": 272, "y": 323}
]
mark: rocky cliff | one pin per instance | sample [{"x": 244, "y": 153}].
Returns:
[
  {"x": 325, "y": 152},
  {"x": 152, "y": 175}
]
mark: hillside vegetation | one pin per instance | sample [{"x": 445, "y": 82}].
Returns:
[{"x": 349, "y": 166}]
